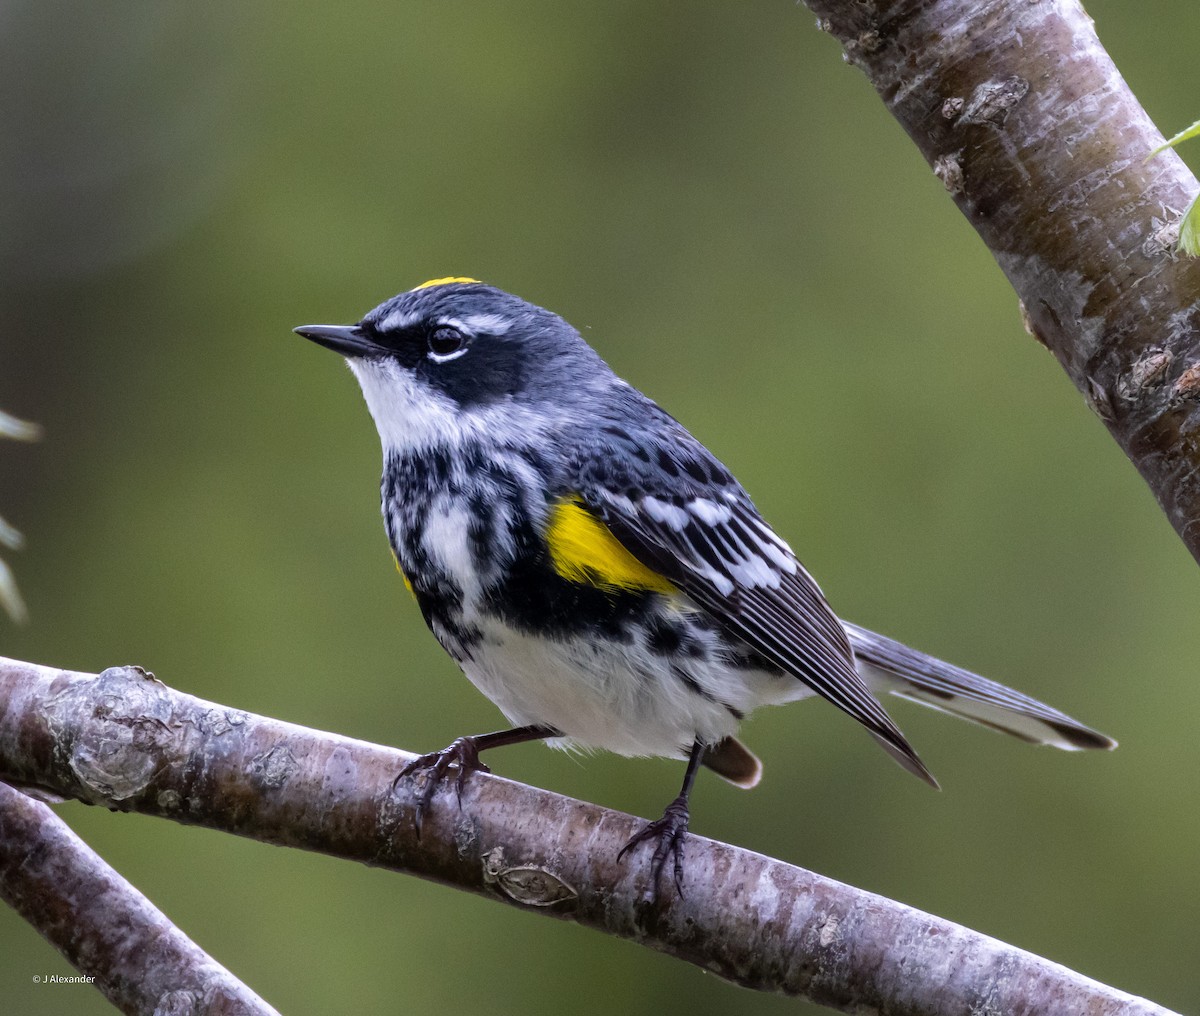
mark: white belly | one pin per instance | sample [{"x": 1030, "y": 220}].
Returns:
[{"x": 619, "y": 697}]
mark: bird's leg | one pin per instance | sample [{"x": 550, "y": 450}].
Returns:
[
  {"x": 463, "y": 754},
  {"x": 669, "y": 830}
]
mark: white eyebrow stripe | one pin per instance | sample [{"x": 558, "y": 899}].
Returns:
[
  {"x": 474, "y": 324},
  {"x": 398, "y": 320}
]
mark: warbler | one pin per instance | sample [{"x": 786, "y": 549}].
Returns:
[{"x": 596, "y": 572}]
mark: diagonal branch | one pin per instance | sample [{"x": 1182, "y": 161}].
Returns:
[
  {"x": 124, "y": 740},
  {"x": 107, "y": 929},
  {"x": 1023, "y": 116}
]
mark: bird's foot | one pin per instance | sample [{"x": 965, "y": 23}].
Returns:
[
  {"x": 461, "y": 754},
  {"x": 667, "y": 833}
]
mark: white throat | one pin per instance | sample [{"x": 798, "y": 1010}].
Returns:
[
  {"x": 412, "y": 417},
  {"x": 409, "y": 416}
]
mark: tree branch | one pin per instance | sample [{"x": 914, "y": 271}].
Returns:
[
  {"x": 1022, "y": 115},
  {"x": 103, "y": 926},
  {"x": 124, "y": 740}
]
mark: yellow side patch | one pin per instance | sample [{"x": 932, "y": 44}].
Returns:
[
  {"x": 441, "y": 282},
  {"x": 584, "y": 550},
  {"x": 407, "y": 584}
]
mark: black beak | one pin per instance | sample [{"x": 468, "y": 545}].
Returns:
[{"x": 348, "y": 340}]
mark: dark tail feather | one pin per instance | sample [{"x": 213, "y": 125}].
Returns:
[
  {"x": 733, "y": 761},
  {"x": 894, "y": 667}
]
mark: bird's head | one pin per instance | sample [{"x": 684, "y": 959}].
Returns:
[{"x": 455, "y": 355}]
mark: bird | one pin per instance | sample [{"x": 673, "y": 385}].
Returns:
[{"x": 597, "y": 572}]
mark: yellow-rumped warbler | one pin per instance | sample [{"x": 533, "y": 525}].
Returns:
[{"x": 593, "y": 568}]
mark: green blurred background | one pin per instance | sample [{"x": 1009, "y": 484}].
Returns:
[{"x": 736, "y": 223}]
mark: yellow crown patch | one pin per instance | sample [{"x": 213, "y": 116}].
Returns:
[{"x": 441, "y": 282}]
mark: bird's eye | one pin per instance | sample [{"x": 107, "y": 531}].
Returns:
[{"x": 446, "y": 342}]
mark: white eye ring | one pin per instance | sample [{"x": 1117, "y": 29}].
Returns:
[{"x": 446, "y": 357}]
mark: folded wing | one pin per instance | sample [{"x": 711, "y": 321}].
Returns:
[{"x": 709, "y": 540}]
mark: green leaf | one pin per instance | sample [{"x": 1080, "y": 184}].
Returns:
[
  {"x": 1191, "y": 132},
  {"x": 1189, "y": 229}
]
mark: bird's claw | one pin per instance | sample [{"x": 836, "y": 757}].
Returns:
[
  {"x": 461, "y": 754},
  {"x": 668, "y": 835}
]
